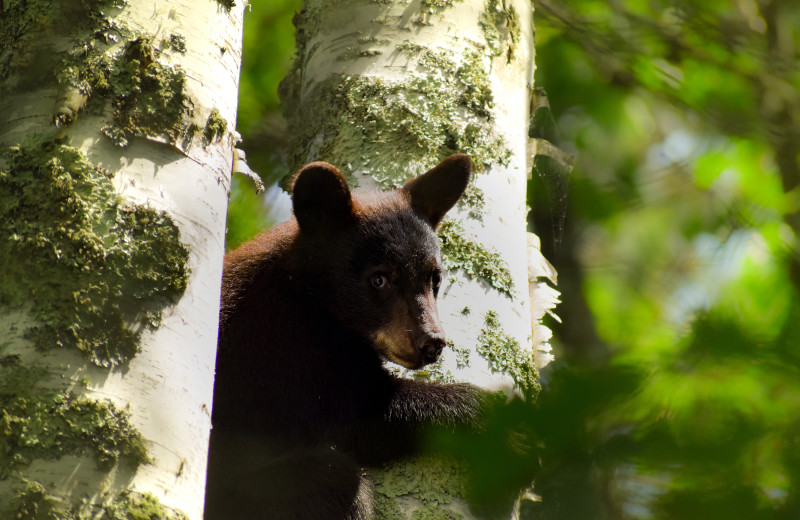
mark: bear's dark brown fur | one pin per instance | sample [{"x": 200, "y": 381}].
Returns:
[{"x": 310, "y": 311}]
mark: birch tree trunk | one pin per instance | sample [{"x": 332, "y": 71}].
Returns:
[
  {"x": 116, "y": 127},
  {"x": 384, "y": 90}
]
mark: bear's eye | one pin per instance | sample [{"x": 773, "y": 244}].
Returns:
[
  {"x": 436, "y": 280},
  {"x": 379, "y": 281}
]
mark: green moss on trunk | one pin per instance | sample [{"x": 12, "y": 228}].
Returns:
[
  {"x": 505, "y": 355},
  {"x": 501, "y": 27},
  {"x": 140, "y": 506},
  {"x": 215, "y": 128},
  {"x": 86, "y": 263},
  {"x": 37, "y": 424},
  {"x": 91, "y": 270},
  {"x": 458, "y": 252},
  {"x": 50, "y": 425},
  {"x": 435, "y": 481},
  {"x": 35, "y": 502},
  {"x": 149, "y": 98},
  {"x": 27, "y": 29},
  {"x": 394, "y": 130}
]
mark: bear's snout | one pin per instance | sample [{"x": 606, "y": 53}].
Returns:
[{"x": 430, "y": 346}]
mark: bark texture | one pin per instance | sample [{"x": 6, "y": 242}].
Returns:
[{"x": 116, "y": 126}]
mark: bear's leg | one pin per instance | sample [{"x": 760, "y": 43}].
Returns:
[{"x": 251, "y": 478}]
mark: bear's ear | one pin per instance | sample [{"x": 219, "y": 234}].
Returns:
[
  {"x": 436, "y": 191},
  {"x": 321, "y": 198}
]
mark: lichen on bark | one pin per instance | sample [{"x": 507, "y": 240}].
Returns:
[
  {"x": 50, "y": 424},
  {"x": 94, "y": 270},
  {"x": 130, "y": 505},
  {"x": 474, "y": 259},
  {"x": 35, "y": 502},
  {"x": 393, "y": 129},
  {"x": 29, "y": 25},
  {"x": 434, "y": 481},
  {"x": 86, "y": 270},
  {"x": 215, "y": 128},
  {"x": 147, "y": 98},
  {"x": 40, "y": 423},
  {"x": 505, "y": 355},
  {"x": 501, "y": 27}
]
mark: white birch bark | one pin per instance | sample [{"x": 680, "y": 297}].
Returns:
[
  {"x": 166, "y": 388},
  {"x": 384, "y": 90}
]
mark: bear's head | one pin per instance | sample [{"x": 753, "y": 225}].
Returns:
[{"x": 373, "y": 257}]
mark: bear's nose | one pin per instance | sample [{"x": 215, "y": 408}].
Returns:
[{"x": 432, "y": 348}]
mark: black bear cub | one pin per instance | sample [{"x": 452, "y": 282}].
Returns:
[{"x": 310, "y": 310}]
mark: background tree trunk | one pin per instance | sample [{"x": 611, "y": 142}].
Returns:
[
  {"x": 384, "y": 90},
  {"x": 116, "y": 122}
]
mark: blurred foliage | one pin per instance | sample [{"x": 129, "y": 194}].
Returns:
[
  {"x": 678, "y": 262},
  {"x": 676, "y": 393},
  {"x": 268, "y": 51}
]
